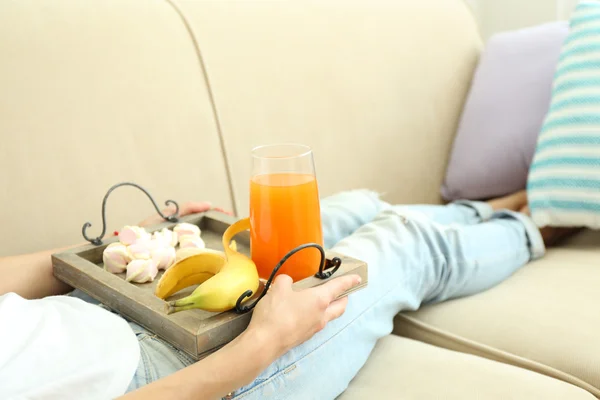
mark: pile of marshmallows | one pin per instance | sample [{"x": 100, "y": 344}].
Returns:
[{"x": 142, "y": 255}]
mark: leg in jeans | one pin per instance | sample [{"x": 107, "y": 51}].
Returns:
[
  {"x": 459, "y": 212},
  {"x": 411, "y": 260},
  {"x": 345, "y": 212},
  {"x": 465, "y": 212}
]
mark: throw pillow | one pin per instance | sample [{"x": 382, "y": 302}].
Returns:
[
  {"x": 503, "y": 113},
  {"x": 564, "y": 179}
]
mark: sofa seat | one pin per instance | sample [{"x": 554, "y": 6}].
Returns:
[
  {"x": 544, "y": 318},
  {"x": 401, "y": 368}
]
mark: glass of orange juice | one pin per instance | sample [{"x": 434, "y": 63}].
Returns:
[{"x": 284, "y": 210}]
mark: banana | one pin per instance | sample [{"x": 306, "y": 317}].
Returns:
[
  {"x": 192, "y": 270},
  {"x": 221, "y": 292},
  {"x": 188, "y": 252},
  {"x": 192, "y": 266}
]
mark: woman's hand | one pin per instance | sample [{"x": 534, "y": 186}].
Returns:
[
  {"x": 288, "y": 318},
  {"x": 281, "y": 320}
]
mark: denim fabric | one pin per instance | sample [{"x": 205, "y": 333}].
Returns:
[
  {"x": 157, "y": 358},
  {"x": 415, "y": 254}
]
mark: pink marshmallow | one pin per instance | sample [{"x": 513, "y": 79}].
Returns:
[{"x": 130, "y": 234}]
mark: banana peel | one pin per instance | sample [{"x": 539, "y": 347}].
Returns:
[
  {"x": 192, "y": 266},
  {"x": 232, "y": 276}
]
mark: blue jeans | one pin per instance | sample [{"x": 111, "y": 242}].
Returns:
[{"x": 415, "y": 254}]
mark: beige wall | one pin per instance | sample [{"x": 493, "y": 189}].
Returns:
[{"x": 502, "y": 15}]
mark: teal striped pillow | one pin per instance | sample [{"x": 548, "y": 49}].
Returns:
[{"x": 564, "y": 178}]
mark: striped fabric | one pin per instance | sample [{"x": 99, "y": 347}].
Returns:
[{"x": 564, "y": 178}]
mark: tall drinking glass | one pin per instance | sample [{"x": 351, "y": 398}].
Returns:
[{"x": 284, "y": 210}]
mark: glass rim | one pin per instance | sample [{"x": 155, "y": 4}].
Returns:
[{"x": 305, "y": 150}]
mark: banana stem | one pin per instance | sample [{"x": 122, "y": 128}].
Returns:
[{"x": 173, "y": 308}]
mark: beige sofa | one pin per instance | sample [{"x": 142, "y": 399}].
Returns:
[{"x": 174, "y": 94}]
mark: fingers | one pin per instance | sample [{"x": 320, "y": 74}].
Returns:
[
  {"x": 336, "y": 287},
  {"x": 193, "y": 207},
  {"x": 150, "y": 221},
  {"x": 336, "y": 309},
  {"x": 219, "y": 209}
]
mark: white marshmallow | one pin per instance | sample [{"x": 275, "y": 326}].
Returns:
[
  {"x": 167, "y": 236},
  {"x": 141, "y": 271},
  {"x": 185, "y": 228},
  {"x": 163, "y": 257},
  {"x": 115, "y": 258},
  {"x": 187, "y": 241},
  {"x": 140, "y": 250}
]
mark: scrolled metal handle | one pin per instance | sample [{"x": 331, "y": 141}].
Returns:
[{"x": 98, "y": 240}]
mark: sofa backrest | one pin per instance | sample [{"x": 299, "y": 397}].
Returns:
[
  {"x": 374, "y": 87},
  {"x": 173, "y": 95}
]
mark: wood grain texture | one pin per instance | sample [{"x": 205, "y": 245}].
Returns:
[{"x": 196, "y": 332}]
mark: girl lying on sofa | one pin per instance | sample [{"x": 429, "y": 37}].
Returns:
[{"x": 298, "y": 344}]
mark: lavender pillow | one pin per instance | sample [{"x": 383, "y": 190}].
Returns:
[{"x": 504, "y": 112}]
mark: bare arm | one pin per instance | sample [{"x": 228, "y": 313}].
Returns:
[
  {"x": 30, "y": 276},
  {"x": 282, "y": 320},
  {"x": 232, "y": 367}
]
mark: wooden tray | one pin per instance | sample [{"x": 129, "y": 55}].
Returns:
[{"x": 196, "y": 332}]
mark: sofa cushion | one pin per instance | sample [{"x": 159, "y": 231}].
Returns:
[
  {"x": 544, "y": 318},
  {"x": 504, "y": 112},
  {"x": 92, "y": 95},
  {"x": 401, "y": 368},
  {"x": 564, "y": 179},
  {"x": 366, "y": 84}
]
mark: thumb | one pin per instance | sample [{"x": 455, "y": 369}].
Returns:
[
  {"x": 336, "y": 287},
  {"x": 282, "y": 283}
]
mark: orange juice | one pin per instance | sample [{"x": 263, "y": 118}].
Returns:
[{"x": 285, "y": 213}]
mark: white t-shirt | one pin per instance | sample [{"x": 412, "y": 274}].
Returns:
[{"x": 63, "y": 348}]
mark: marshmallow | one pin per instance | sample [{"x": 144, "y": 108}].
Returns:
[
  {"x": 141, "y": 271},
  {"x": 157, "y": 244},
  {"x": 130, "y": 234},
  {"x": 167, "y": 236},
  {"x": 163, "y": 257},
  {"x": 115, "y": 258},
  {"x": 185, "y": 228},
  {"x": 141, "y": 249},
  {"x": 187, "y": 241}
]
